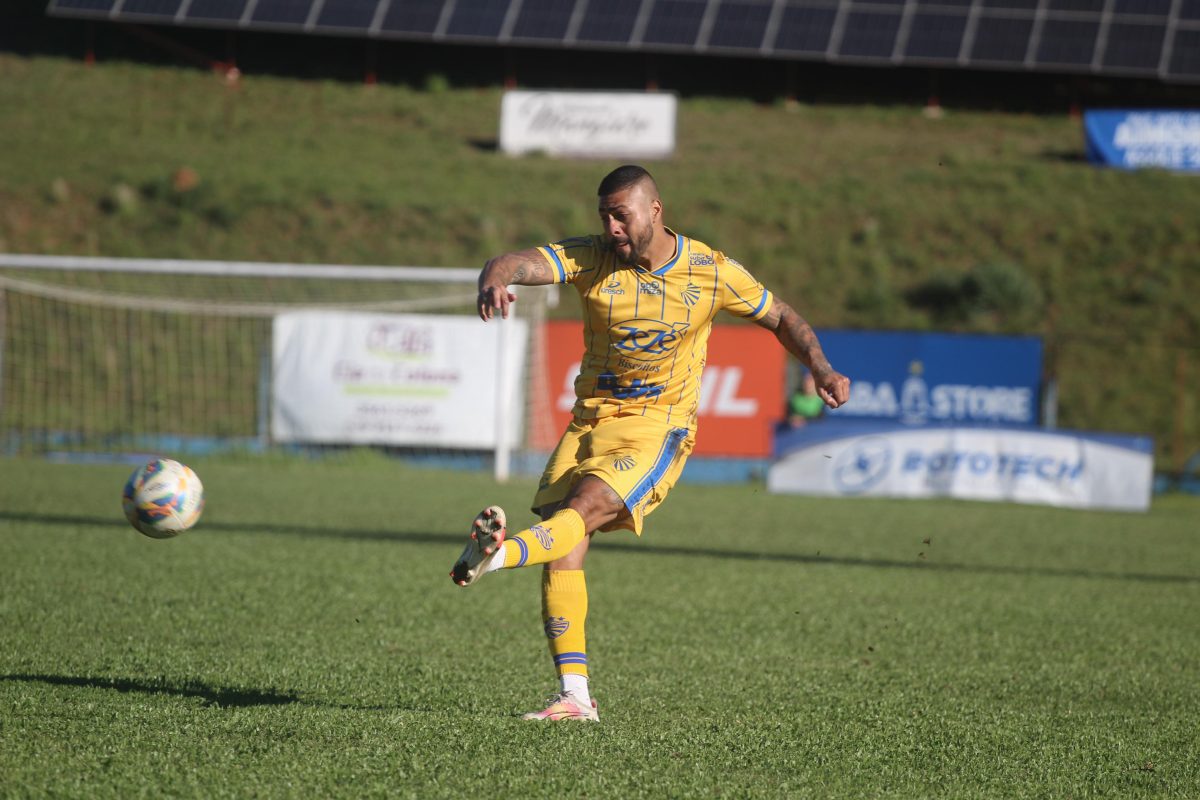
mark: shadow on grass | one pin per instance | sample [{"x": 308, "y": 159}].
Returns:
[
  {"x": 603, "y": 543},
  {"x": 210, "y": 695}
]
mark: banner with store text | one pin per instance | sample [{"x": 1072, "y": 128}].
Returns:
[
  {"x": 741, "y": 395},
  {"x": 396, "y": 379},
  {"x": 1058, "y": 468},
  {"x": 917, "y": 378}
]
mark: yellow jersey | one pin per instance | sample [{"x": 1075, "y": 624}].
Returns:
[{"x": 645, "y": 331}]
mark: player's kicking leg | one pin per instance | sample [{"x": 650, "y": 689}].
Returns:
[{"x": 484, "y": 552}]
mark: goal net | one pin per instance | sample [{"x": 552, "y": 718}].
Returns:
[{"x": 131, "y": 356}]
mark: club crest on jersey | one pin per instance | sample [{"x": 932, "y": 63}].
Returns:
[
  {"x": 701, "y": 260},
  {"x": 556, "y": 627},
  {"x": 613, "y": 287},
  {"x": 624, "y": 463},
  {"x": 543, "y": 536},
  {"x": 652, "y": 289},
  {"x": 646, "y": 339},
  {"x": 691, "y": 294}
]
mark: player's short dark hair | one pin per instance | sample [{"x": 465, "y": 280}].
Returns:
[{"x": 623, "y": 177}]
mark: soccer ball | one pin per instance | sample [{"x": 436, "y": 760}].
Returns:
[{"x": 163, "y": 498}]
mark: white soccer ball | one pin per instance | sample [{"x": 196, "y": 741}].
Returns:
[{"x": 163, "y": 498}]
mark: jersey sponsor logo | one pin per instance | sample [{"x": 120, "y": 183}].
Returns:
[
  {"x": 613, "y": 287},
  {"x": 647, "y": 339},
  {"x": 701, "y": 260},
  {"x": 638, "y": 389},
  {"x": 690, "y": 294},
  {"x": 625, "y": 463},
  {"x": 556, "y": 627},
  {"x": 652, "y": 289},
  {"x": 542, "y": 533}
]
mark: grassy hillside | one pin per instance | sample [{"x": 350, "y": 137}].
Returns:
[{"x": 863, "y": 216}]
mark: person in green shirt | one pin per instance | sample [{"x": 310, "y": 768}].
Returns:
[{"x": 805, "y": 405}]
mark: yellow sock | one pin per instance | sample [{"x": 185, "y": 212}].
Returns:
[
  {"x": 564, "y": 611},
  {"x": 545, "y": 541}
]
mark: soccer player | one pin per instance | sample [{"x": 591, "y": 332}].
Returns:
[{"x": 649, "y": 296}]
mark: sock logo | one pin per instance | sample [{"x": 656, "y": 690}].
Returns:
[
  {"x": 556, "y": 627},
  {"x": 543, "y": 536}
]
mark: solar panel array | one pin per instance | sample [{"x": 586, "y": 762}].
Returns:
[{"x": 1150, "y": 38}]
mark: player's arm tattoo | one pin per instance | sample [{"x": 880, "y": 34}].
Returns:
[
  {"x": 796, "y": 335},
  {"x": 522, "y": 267}
]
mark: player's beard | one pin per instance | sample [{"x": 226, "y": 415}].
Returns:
[{"x": 637, "y": 248}]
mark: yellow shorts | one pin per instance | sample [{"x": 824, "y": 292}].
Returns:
[{"x": 639, "y": 458}]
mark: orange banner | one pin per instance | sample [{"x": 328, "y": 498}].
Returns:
[{"x": 741, "y": 398}]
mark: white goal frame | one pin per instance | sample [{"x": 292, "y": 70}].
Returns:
[{"x": 448, "y": 275}]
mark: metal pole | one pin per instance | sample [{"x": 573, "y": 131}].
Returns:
[
  {"x": 3, "y": 328},
  {"x": 264, "y": 395},
  {"x": 503, "y": 402}
]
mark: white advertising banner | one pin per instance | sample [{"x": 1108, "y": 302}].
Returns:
[
  {"x": 398, "y": 379},
  {"x": 1058, "y": 468},
  {"x": 588, "y": 124}
]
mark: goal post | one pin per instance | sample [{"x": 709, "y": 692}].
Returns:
[{"x": 111, "y": 355}]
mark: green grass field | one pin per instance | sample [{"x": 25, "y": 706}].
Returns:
[{"x": 305, "y": 641}]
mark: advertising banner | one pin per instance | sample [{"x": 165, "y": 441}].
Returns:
[
  {"x": 741, "y": 396},
  {"x": 1134, "y": 139},
  {"x": 1058, "y": 468},
  {"x": 395, "y": 379},
  {"x": 917, "y": 378},
  {"x": 588, "y": 124}
]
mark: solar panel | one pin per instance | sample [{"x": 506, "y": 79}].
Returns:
[
  {"x": 740, "y": 24},
  {"x": 1156, "y": 8},
  {"x": 1029, "y": 5},
  {"x": 1002, "y": 39},
  {"x": 609, "y": 22},
  {"x": 151, "y": 8},
  {"x": 348, "y": 14},
  {"x": 227, "y": 10},
  {"x": 1134, "y": 46},
  {"x": 1120, "y": 37},
  {"x": 870, "y": 34},
  {"x": 935, "y": 36},
  {"x": 413, "y": 17},
  {"x": 282, "y": 12},
  {"x": 805, "y": 29},
  {"x": 478, "y": 18},
  {"x": 1067, "y": 41},
  {"x": 543, "y": 19},
  {"x": 1090, "y": 6},
  {"x": 674, "y": 22},
  {"x": 1185, "y": 55}
]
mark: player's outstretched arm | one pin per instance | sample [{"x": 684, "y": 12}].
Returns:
[
  {"x": 522, "y": 267},
  {"x": 798, "y": 338}
]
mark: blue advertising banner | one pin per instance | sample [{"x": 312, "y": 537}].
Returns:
[
  {"x": 924, "y": 378},
  {"x": 1134, "y": 139}
]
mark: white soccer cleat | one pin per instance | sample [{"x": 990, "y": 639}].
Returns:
[
  {"x": 487, "y": 534},
  {"x": 563, "y": 707}
]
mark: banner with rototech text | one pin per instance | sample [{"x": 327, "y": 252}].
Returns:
[
  {"x": 741, "y": 395},
  {"x": 1073, "y": 469},
  {"x": 400, "y": 379}
]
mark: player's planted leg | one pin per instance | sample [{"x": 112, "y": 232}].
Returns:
[{"x": 564, "y": 613}]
